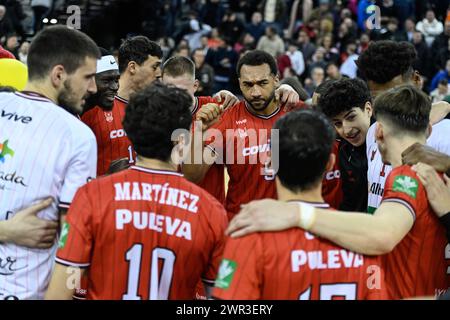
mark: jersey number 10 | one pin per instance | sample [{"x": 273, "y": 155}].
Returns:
[{"x": 160, "y": 283}]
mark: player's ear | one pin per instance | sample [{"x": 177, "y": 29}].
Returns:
[
  {"x": 196, "y": 85},
  {"x": 429, "y": 130},
  {"x": 58, "y": 76},
  {"x": 417, "y": 79},
  {"x": 379, "y": 131},
  {"x": 330, "y": 163},
  {"x": 132, "y": 67},
  {"x": 368, "y": 108}
]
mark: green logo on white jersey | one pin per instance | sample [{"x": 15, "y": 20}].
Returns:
[
  {"x": 226, "y": 272},
  {"x": 407, "y": 185}
]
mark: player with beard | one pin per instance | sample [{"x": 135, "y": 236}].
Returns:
[
  {"x": 102, "y": 118},
  {"x": 45, "y": 152},
  {"x": 251, "y": 176}
]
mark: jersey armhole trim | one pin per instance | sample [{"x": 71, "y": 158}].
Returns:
[
  {"x": 405, "y": 203},
  {"x": 71, "y": 263}
]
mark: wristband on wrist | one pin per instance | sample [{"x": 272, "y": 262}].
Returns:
[{"x": 307, "y": 216}]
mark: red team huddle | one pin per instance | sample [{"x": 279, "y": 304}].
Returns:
[{"x": 157, "y": 228}]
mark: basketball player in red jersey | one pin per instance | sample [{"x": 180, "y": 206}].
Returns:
[{"x": 251, "y": 175}]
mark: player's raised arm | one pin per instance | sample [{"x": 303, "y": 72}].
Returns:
[{"x": 201, "y": 157}]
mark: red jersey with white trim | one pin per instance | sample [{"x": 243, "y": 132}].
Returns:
[
  {"x": 295, "y": 265},
  {"x": 332, "y": 183},
  {"x": 214, "y": 180},
  {"x": 246, "y": 156},
  {"x": 112, "y": 140},
  {"x": 417, "y": 266},
  {"x": 143, "y": 234}
]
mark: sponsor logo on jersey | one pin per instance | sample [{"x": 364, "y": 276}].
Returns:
[
  {"x": 8, "y": 266},
  {"x": 117, "y": 134},
  {"x": 226, "y": 272},
  {"x": 15, "y": 117},
  {"x": 406, "y": 185},
  {"x": 377, "y": 189},
  {"x": 244, "y": 121},
  {"x": 255, "y": 149},
  {"x": 5, "y": 150},
  {"x": 64, "y": 235},
  {"x": 331, "y": 175}
]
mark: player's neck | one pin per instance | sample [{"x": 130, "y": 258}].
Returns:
[
  {"x": 155, "y": 164},
  {"x": 42, "y": 89},
  {"x": 313, "y": 195},
  {"x": 398, "y": 146},
  {"x": 125, "y": 88}
]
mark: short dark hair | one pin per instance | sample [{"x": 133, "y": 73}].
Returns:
[
  {"x": 59, "y": 45},
  {"x": 343, "y": 95},
  {"x": 137, "y": 49},
  {"x": 257, "y": 58},
  {"x": 385, "y": 60},
  {"x": 405, "y": 107},
  {"x": 152, "y": 115},
  {"x": 178, "y": 66},
  {"x": 306, "y": 138},
  {"x": 443, "y": 82}
]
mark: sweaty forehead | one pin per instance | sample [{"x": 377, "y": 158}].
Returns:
[{"x": 255, "y": 73}]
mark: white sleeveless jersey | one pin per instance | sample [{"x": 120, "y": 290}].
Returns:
[
  {"x": 44, "y": 152},
  {"x": 377, "y": 171}
]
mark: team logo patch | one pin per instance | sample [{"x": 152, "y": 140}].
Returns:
[
  {"x": 109, "y": 116},
  {"x": 5, "y": 150},
  {"x": 64, "y": 234},
  {"x": 407, "y": 185},
  {"x": 226, "y": 272}
]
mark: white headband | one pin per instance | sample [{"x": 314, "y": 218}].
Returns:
[{"x": 106, "y": 63}]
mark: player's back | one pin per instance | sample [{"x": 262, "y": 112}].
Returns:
[
  {"x": 154, "y": 236},
  {"x": 295, "y": 265},
  {"x": 44, "y": 152}
]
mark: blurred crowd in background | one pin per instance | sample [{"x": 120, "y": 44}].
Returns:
[{"x": 312, "y": 40}]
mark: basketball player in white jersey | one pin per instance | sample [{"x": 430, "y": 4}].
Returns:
[{"x": 45, "y": 151}]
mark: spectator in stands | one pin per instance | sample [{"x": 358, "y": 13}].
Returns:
[
  {"x": 305, "y": 46},
  {"x": 204, "y": 73},
  {"x": 317, "y": 77},
  {"x": 422, "y": 63},
  {"x": 441, "y": 41},
  {"x": 12, "y": 44},
  {"x": 274, "y": 13},
  {"x": 296, "y": 58},
  {"x": 256, "y": 27},
  {"x": 349, "y": 67},
  {"x": 444, "y": 74},
  {"x": 271, "y": 42},
  {"x": 410, "y": 27},
  {"x": 331, "y": 53},
  {"x": 41, "y": 9},
  {"x": 212, "y": 13},
  {"x": 6, "y": 26},
  {"x": 430, "y": 27},
  {"x": 231, "y": 27},
  {"x": 332, "y": 72},
  {"x": 223, "y": 60},
  {"x": 441, "y": 91}
]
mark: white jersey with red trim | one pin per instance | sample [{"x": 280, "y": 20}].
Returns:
[
  {"x": 44, "y": 152},
  {"x": 378, "y": 171}
]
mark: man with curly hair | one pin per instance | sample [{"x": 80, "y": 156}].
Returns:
[{"x": 347, "y": 104}]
